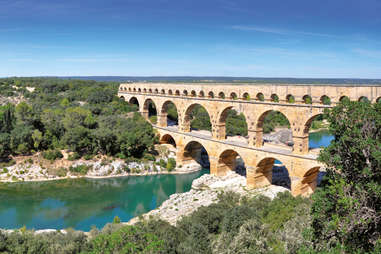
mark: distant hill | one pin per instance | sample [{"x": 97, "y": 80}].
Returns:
[{"x": 227, "y": 79}]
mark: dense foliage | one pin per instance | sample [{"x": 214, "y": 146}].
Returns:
[
  {"x": 85, "y": 117},
  {"x": 347, "y": 210}
]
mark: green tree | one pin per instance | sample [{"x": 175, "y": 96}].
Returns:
[{"x": 347, "y": 209}]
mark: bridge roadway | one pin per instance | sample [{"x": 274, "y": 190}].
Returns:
[{"x": 300, "y": 104}]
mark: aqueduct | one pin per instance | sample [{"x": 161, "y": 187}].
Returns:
[{"x": 301, "y": 104}]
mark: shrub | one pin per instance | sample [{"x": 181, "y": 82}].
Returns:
[
  {"x": 88, "y": 156},
  {"x": 149, "y": 157},
  {"x": 52, "y": 155},
  {"x": 153, "y": 119},
  {"x": 80, "y": 169},
  {"x": 5, "y": 170},
  {"x": 171, "y": 164},
  {"x": 116, "y": 220},
  {"x": 162, "y": 163},
  {"x": 74, "y": 156}
]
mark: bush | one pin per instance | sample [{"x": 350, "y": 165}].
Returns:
[
  {"x": 74, "y": 156},
  {"x": 153, "y": 119},
  {"x": 52, "y": 155},
  {"x": 171, "y": 164},
  {"x": 162, "y": 163},
  {"x": 80, "y": 169},
  {"x": 116, "y": 220}
]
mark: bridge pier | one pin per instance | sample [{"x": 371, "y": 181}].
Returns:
[
  {"x": 162, "y": 120},
  {"x": 300, "y": 144}
]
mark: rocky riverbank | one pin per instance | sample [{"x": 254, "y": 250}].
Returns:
[{"x": 204, "y": 192}]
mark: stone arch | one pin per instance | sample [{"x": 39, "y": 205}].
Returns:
[
  {"x": 259, "y": 127},
  {"x": 221, "y": 131},
  {"x": 307, "y": 99},
  {"x": 260, "y": 97},
  {"x": 170, "y": 119},
  {"x": 150, "y": 110},
  {"x": 193, "y": 93},
  {"x": 270, "y": 171},
  {"x": 139, "y": 90},
  {"x": 230, "y": 160},
  {"x": 170, "y": 92},
  {"x": 344, "y": 98},
  {"x": 150, "y": 90},
  {"x": 201, "y": 94},
  {"x": 221, "y": 95},
  {"x": 211, "y": 94},
  {"x": 187, "y": 116},
  {"x": 162, "y": 91},
  {"x": 274, "y": 98},
  {"x": 156, "y": 91},
  {"x": 325, "y": 100},
  {"x": 134, "y": 89},
  {"x": 122, "y": 97},
  {"x": 363, "y": 99},
  {"x": 233, "y": 96},
  {"x": 290, "y": 98},
  {"x": 195, "y": 151},
  {"x": 168, "y": 139},
  {"x": 378, "y": 100},
  {"x": 185, "y": 93},
  {"x": 177, "y": 92},
  {"x": 129, "y": 89},
  {"x": 308, "y": 183},
  {"x": 145, "y": 90},
  {"x": 134, "y": 100},
  {"x": 246, "y": 96}
]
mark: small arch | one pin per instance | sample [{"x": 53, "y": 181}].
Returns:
[
  {"x": 233, "y": 96},
  {"x": 139, "y": 90},
  {"x": 344, "y": 98},
  {"x": 274, "y": 98},
  {"x": 221, "y": 95},
  {"x": 325, "y": 100},
  {"x": 156, "y": 91},
  {"x": 170, "y": 92},
  {"x": 201, "y": 94},
  {"x": 290, "y": 98},
  {"x": 185, "y": 93},
  {"x": 307, "y": 99},
  {"x": 364, "y": 99},
  {"x": 230, "y": 160},
  {"x": 260, "y": 97},
  {"x": 246, "y": 96},
  {"x": 211, "y": 94},
  {"x": 134, "y": 89},
  {"x": 144, "y": 90},
  {"x": 195, "y": 151},
  {"x": 193, "y": 93},
  {"x": 168, "y": 139},
  {"x": 134, "y": 101},
  {"x": 129, "y": 89},
  {"x": 162, "y": 91},
  {"x": 150, "y": 90},
  {"x": 177, "y": 92}
]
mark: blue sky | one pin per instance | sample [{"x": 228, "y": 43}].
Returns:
[{"x": 293, "y": 38}]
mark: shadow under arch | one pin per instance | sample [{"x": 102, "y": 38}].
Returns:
[
  {"x": 196, "y": 117},
  {"x": 135, "y": 101},
  {"x": 230, "y": 123},
  {"x": 149, "y": 109},
  {"x": 230, "y": 160},
  {"x": 270, "y": 171},
  {"x": 268, "y": 121},
  {"x": 170, "y": 110},
  {"x": 309, "y": 181},
  {"x": 195, "y": 151},
  {"x": 168, "y": 139}
]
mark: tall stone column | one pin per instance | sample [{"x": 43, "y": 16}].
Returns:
[
  {"x": 219, "y": 132},
  {"x": 162, "y": 120},
  {"x": 145, "y": 114},
  {"x": 300, "y": 144},
  {"x": 184, "y": 125},
  {"x": 259, "y": 138}
]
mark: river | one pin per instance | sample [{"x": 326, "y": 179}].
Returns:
[{"x": 83, "y": 203}]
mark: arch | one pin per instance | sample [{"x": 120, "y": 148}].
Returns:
[
  {"x": 221, "y": 95},
  {"x": 162, "y": 91},
  {"x": 193, "y": 93},
  {"x": 150, "y": 111},
  {"x": 134, "y": 89},
  {"x": 185, "y": 92},
  {"x": 170, "y": 92},
  {"x": 308, "y": 123},
  {"x": 129, "y": 89},
  {"x": 233, "y": 96},
  {"x": 139, "y": 90},
  {"x": 168, "y": 139},
  {"x": 156, "y": 91},
  {"x": 170, "y": 112},
  {"x": 134, "y": 100},
  {"x": 282, "y": 120},
  {"x": 270, "y": 171},
  {"x": 325, "y": 100},
  {"x": 378, "y": 100},
  {"x": 274, "y": 98},
  {"x": 145, "y": 90},
  {"x": 307, "y": 99},
  {"x": 201, "y": 94},
  {"x": 196, "y": 117},
  {"x": 150, "y": 90},
  {"x": 230, "y": 160},
  {"x": 211, "y": 94},
  {"x": 364, "y": 99},
  {"x": 246, "y": 96},
  {"x": 226, "y": 128},
  {"x": 309, "y": 181},
  {"x": 260, "y": 97},
  {"x": 122, "y": 97},
  {"x": 290, "y": 98},
  {"x": 344, "y": 98},
  {"x": 195, "y": 151},
  {"x": 177, "y": 92}
]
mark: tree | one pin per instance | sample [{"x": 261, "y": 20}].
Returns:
[{"x": 347, "y": 209}]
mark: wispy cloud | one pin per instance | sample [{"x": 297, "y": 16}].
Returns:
[{"x": 279, "y": 31}]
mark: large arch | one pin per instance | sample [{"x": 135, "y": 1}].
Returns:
[
  {"x": 191, "y": 115},
  {"x": 150, "y": 110},
  {"x": 134, "y": 100},
  {"x": 169, "y": 114},
  {"x": 363, "y": 99},
  {"x": 308, "y": 183},
  {"x": 230, "y": 160},
  {"x": 195, "y": 151},
  {"x": 224, "y": 125},
  {"x": 262, "y": 128},
  {"x": 168, "y": 139},
  {"x": 270, "y": 171}
]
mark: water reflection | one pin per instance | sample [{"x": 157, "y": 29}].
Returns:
[{"x": 81, "y": 203}]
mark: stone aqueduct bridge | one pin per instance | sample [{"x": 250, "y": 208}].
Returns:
[{"x": 255, "y": 102}]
